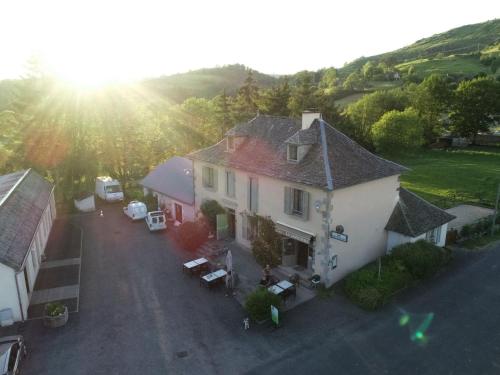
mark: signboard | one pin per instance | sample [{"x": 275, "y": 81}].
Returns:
[
  {"x": 338, "y": 236},
  {"x": 274, "y": 315}
]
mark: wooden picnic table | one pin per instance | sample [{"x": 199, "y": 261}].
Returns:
[
  {"x": 213, "y": 278},
  {"x": 195, "y": 266}
]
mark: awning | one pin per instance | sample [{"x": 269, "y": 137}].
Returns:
[{"x": 295, "y": 233}]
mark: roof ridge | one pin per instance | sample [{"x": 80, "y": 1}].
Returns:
[
  {"x": 403, "y": 212},
  {"x": 326, "y": 159},
  {"x": 14, "y": 187},
  {"x": 424, "y": 200}
]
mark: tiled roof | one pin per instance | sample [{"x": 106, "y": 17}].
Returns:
[
  {"x": 20, "y": 212},
  {"x": 263, "y": 151},
  {"x": 413, "y": 216},
  {"x": 173, "y": 178},
  {"x": 304, "y": 137}
]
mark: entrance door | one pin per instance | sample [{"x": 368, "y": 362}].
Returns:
[
  {"x": 231, "y": 218},
  {"x": 178, "y": 212},
  {"x": 302, "y": 254}
]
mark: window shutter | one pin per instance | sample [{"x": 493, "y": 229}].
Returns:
[
  {"x": 233, "y": 184},
  {"x": 204, "y": 176},
  {"x": 216, "y": 179},
  {"x": 288, "y": 200},
  {"x": 255, "y": 195},
  {"x": 305, "y": 205}
]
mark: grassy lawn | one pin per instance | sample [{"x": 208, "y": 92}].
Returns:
[
  {"x": 474, "y": 243},
  {"x": 448, "y": 178},
  {"x": 454, "y": 64}
]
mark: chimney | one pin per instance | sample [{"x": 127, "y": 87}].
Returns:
[{"x": 308, "y": 117}]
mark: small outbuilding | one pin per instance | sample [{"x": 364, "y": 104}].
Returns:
[
  {"x": 27, "y": 211},
  {"x": 172, "y": 184},
  {"x": 413, "y": 219}
]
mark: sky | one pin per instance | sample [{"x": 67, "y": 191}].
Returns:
[{"x": 107, "y": 40}]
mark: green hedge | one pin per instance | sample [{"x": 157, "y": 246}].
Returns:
[
  {"x": 258, "y": 304},
  {"x": 407, "y": 264}
]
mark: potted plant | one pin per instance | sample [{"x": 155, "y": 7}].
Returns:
[{"x": 55, "y": 315}]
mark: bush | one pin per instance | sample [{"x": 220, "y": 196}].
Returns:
[
  {"x": 365, "y": 289},
  {"x": 465, "y": 231},
  {"x": 258, "y": 304},
  {"x": 191, "y": 235},
  {"x": 421, "y": 258},
  {"x": 210, "y": 210},
  {"x": 266, "y": 248},
  {"x": 54, "y": 309}
]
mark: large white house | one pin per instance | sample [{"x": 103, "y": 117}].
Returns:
[
  {"x": 27, "y": 210},
  {"x": 337, "y": 205}
]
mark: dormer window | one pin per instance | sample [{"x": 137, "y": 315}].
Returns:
[
  {"x": 293, "y": 153},
  {"x": 230, "y": 143}
]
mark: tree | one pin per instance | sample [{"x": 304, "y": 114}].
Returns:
[
  {"x": 266, "y": 248},
  {"x": 223, "y": 117},
  {"x": 431, "y": 99},
  {"x": 475, "y": 102},
  {"x": 354, "y": 81},
  {"x": 274, "y": 101},
  {"x": 397, "y": 131},
  {"x": 329, "y": 79},
  {"x": 302, "y": 97},
  {"x": 362, "y": 114},
  {"x": 246, "y": 101}
]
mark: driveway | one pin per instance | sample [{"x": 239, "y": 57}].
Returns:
[{"x": 139, "y": 314}]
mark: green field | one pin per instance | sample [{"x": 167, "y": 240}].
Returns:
[
  {"x": 448, "y": 178},
  {"x": 454, "y": 64}
]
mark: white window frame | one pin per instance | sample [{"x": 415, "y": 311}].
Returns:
[
  {"x": 295, "y": 210},
  {"x": 434, "y": 236},
  {"x": 290, "y": 159},
  {"x": 210, "y": 172}
]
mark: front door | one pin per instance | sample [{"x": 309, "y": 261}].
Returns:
[
  {"x": 302, "y": 254},
  {"x": 178, "y": 212}
]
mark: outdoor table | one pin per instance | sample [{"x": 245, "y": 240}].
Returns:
[
  {"x": 213, "y": 278},
  {"x": 275, "y": 289},
  {"x": 288, "y": 288},
  {"x": 195, "y": 266}
]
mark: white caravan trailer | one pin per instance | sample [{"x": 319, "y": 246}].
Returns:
[{"x": 108, "y": 189}]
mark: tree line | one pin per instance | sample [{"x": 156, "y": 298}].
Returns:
[{"x": 72, "y": 136}]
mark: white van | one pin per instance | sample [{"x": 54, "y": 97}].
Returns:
[
  {"x": 108, "y": 189},
  {"x": 156, "y": 221},
  {"x": 136, "y": 210}
]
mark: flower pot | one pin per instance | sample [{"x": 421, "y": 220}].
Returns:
[{"x": 56, "y": 321}]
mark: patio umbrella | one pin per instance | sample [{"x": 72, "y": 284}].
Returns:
[{"x": 229, "y": 261}]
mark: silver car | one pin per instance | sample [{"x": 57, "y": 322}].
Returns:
[{"x": 12, "y": 350}]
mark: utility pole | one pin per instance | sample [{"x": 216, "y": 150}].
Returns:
[{"x": 495, "y": 212}]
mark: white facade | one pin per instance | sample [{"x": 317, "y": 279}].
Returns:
[
  {"x": 394, "y": 239},
  {"x": 180, "y": 211},
  {"x": 363, "y": 210},
  {"x": 17, "y": 287}
]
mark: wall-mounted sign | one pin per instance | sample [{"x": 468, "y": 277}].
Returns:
[{"x": 338, "y": 236}]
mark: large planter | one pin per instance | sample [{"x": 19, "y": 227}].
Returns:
[{"x": 56, "y": 321}]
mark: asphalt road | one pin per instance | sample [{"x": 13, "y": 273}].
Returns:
[{"x": 140, "y": 315}]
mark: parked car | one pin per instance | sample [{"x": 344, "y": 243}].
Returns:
[
  {"x": 108, "y": 189},
  {"x": 156, "y": 221},
  {"x": 136, "y": 210},
  {"x": 12, "y": 351}
]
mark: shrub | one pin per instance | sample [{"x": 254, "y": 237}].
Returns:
[
  {"x": 266, "y": 248},
  {"x": 465, "y": 231},
  {"x": 192, "y": 235},
  {"x": 421, "y": 258},
  {"x": 54, "y": 309},
  {"x": 365, "y": 288},
  {"x": 210, "y": 210},
  {"x": 258, "y": 304}
]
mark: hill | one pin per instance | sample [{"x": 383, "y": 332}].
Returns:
[
  {"x": 206, "y": 83},
  {"x": 457, "y": 50}
]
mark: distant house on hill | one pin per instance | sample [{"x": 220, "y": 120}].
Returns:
[
  {"x": 27, "y": 210},
  {"x": 336, "y": 206},
  {"x": 172, "y": 183}
]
